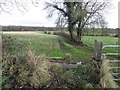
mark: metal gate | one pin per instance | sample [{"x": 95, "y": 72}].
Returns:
[{"x": 116, "y": 75}]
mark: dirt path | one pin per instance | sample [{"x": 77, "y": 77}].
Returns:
[{"x": 63, "y": 64}]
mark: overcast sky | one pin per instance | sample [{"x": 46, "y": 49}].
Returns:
[{"x": 36, "y": 16}]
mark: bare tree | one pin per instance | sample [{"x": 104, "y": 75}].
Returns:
[
  {"x": 61, "y": 22},
  {"x": 103, "y": 25},
  {"x": 79, "y": 14},
  {"x": 91, "y": 11},
  {"x": 66, "y": 10}
]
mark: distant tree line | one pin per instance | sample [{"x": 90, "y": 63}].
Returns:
[
  {"x": 87, "y": 31},
  {"x": 28, "y": 28}
]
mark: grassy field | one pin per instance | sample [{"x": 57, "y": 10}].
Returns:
[
  {"x": 50, "y": 45},
  {"x": 41, "y": 44},
  {"x": 89, "y": 40},
  {"x": 107, "y": 40}
]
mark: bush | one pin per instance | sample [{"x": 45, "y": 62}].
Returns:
[
  {"x": 72, "y": 78},
  {"x": 69, "y": 77},
  {"x": 67, "y": 35},
  {"x": 88, "y": 86},
  {"x": 56, "y": 33},
  {"x": 68, "y": 57},
  {"x": 49, "y": 32},
  {"x": 27, "y": 71},
  {"x": 107, "y": 80},
  {"x": 45, "y": 32},
  {"x": 116, "y": 35}
]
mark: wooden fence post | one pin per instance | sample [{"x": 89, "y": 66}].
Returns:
[
  {"x": 97, "y": 51},
  {"x": 97, "y": 54},
  {"x": 97, "y": 58}
]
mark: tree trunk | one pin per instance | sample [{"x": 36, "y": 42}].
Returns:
[
  {"x": 70, "y": 29},
  {"x": 93, "y": 32},
  {"x": 80, "y": 39},
  {"x": 102, "y": 31},
  {"x": 79, "y": 36},
  {"x": 71, "y": 35}
]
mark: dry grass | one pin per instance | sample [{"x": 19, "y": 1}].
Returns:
[
  {"x": 67, "y": 35},
  {"x": 41, "y": 73},
  {"x": 107, "y": 80},
  {"x": 38, "y": 67},
  {"x": 27, "y": 71}
]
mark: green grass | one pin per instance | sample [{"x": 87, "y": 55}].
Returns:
[
  {"x": 49, "y": 45},
  {"x": 41, "y": 44},
  {"x": 107, "y": 40},
  {"x": 89, "y": 40},
  {"x": 82, "y": 54}
]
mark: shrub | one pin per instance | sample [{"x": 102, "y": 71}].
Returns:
[
  {"x": 67, "y": 35},
  {"x": 56, "y": 33},
  {"x": 26, "y": 71},
  {"x": 41, "y": 73},
  {"x": 72, "y": 78},
  {"x": 107, "y": 80},
  {"x": 116, "y": 35},
  {"x": 49, "y": 32},
  {"x": 68, "y": 57},
  {"x": 57, "y": 69},
  {"x": 45, "y": 32},
  {"x": 88, "y": 86},
  {"x": 69, "y": 77}
]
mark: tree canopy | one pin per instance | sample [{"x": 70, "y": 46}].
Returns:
[{"x": 78, "y": 14}]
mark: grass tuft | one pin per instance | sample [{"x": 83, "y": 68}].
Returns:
[{"x": 107, "y": 80}]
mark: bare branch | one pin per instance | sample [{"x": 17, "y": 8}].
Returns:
[
  {"x": 8, "y": 5},
  {"x": 94, "y": 11},
  {"x": 35, "y": 3},
  {"x": 79, "y": 14},
  {"x": 55, "y": 7}
]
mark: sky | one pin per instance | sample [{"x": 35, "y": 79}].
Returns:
[{"x": 36, "y": 16}]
